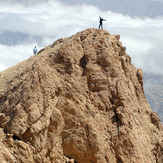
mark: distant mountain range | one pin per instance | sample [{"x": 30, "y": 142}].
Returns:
[{"x": 153, "y": 87}]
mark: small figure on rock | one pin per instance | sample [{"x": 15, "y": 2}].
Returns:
[
  {"x": 101, "y": 20},
  {"x": 35, "y": 51}
]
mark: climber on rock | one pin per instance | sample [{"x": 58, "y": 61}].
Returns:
[
  {"x": 35, "y": 51},
  {"x": 101, "y": 20}
]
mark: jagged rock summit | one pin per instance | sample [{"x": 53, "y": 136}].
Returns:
[{"x": 79, "y": 100}]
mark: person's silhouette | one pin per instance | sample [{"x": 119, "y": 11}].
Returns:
[{"x": 100, "y": 22}]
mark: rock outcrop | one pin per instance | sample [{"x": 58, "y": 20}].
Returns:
[{"x": 79, "y": 100}]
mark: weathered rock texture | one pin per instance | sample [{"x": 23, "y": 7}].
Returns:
[{"x": 79, "y": 100}]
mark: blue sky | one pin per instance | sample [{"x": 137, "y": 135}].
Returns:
[
  {"x": 24, "y": 24},
  {"x": 141, "y": 8}
]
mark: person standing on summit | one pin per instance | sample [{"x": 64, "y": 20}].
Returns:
[{"x": 101, "y": 20}]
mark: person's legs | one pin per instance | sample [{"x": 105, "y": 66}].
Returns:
[{"x": 100, "y": 26}]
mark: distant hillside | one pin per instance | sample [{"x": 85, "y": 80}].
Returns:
[{"x": 153, "y": 87}]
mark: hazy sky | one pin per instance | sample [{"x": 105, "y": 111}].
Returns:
[
  {"x": 127, "y": 7},
  {"x": 24, "y": 24}
]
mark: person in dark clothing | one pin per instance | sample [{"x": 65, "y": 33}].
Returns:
[{"x": 100, "y": 25}]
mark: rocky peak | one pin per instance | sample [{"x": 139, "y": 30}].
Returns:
[{"x": 79, "y": 100}]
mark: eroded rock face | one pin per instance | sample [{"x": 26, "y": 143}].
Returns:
[{"x": 79, "y": 100}]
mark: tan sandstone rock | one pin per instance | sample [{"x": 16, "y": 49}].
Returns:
[{"x": 79, "y": 100}]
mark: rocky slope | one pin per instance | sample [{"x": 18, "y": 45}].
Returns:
[{"x": 79, "y": 100}]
